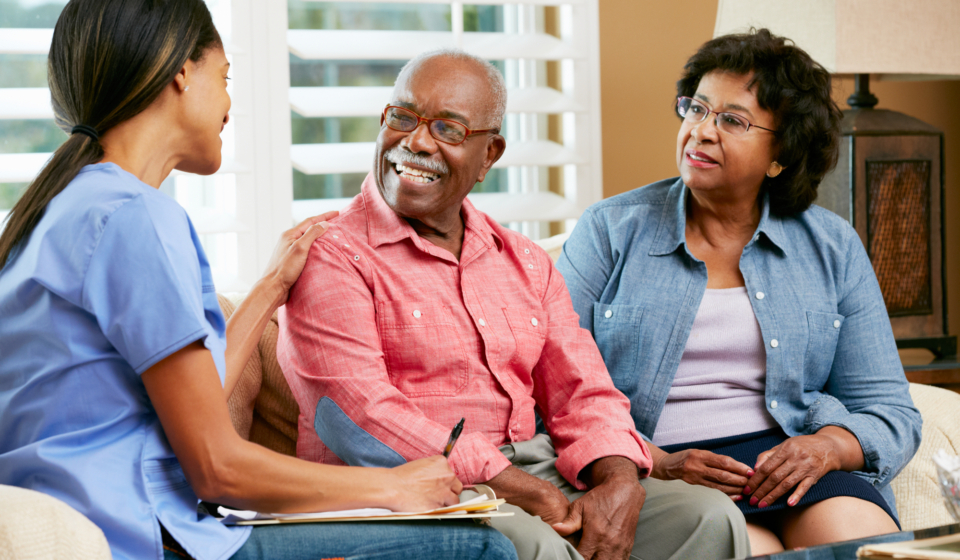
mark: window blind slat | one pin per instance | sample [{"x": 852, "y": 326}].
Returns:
[
  {"x": 23, "y": 168},
  {"x": 314, "y": 102},
  {"x": 37, "y": 41},
  {"x": 337, "y": 44},
  {"x": 502, "y": 207},
  {"x": 476, "y": 2},
  {"x": 25, "y": 41},
  {"x": 357, "y": 157},
  {"x": 25, "y": 103}
]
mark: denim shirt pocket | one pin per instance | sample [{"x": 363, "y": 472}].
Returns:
[
  {"x": 823, "y": 331},
  {"x": 422, "y": 350},
  {"x": 616, "y": 329}
]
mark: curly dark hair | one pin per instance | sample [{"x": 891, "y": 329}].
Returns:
[{"x": 796, "y": 89}]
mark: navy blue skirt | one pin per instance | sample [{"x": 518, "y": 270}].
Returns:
[{"x": 745, "y": 449}]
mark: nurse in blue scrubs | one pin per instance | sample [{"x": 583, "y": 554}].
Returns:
[{"x": 115, "y": 360}]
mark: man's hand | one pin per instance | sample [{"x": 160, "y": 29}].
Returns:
[
  {"x": 608, "y": 512},
  {"x": 531, "y": 494}
]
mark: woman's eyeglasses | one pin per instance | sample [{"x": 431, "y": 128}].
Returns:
[
  {"x": 694, "y": 111},
  {"x": 444, "y": 130}
]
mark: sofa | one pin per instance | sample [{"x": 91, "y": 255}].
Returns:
[{"x": 263, "y": 410}]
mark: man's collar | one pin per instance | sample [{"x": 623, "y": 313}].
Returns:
[
  {"x": 673, "y": 223},
  {"x": 385, "y": 226}
]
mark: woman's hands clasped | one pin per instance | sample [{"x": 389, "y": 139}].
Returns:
[
  {"x": 696, "y": 466},
  {"x": 290, "y": 254},
  {"x": 800, "y": 462}
]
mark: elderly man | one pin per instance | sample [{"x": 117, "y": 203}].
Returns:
[{"x": 416, "y": 310}]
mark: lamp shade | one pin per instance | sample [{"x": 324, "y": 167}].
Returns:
[{"x": 894, "y": 38}]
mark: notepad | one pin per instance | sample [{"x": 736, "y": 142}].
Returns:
[
  {"x": 937, "y": 548},
  {"x": 480, "y": 507}
]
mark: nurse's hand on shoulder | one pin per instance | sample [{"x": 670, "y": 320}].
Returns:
[
  {"x": 425, "y": 484},
  {"x": 290, "y": 254}
]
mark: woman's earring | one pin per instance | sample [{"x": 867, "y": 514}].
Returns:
[
  {"x": 774, "y": 170},
  {"x": 186, "y": 89}
]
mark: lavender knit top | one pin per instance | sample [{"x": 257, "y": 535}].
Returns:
[{"x": 719, "y": 387}]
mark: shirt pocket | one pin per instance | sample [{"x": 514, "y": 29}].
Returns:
[
  {"x": 616, "y": 329},
  {"x": 529, "y": 329},
  {"x": 823, "y": 331},
  {"x": 423, "y": 353}
]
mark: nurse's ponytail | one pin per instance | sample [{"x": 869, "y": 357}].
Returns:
[{"x": 109, "y": 60}]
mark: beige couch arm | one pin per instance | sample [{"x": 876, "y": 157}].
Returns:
[
  {"x": 35, "y": 526},
  {"x": 919, "y": 501}
]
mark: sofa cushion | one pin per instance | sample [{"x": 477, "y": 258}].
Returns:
[
  {"x": 916, "y": 489},
  {"x": 35, "y": 526},
  {"x": 262, "y": 407}
]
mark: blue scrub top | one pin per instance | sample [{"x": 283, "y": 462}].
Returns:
[{"x": 112, "y": 280}]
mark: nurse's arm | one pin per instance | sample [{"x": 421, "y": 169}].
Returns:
[
  {"x": 224, "y": 468},
  {"x": 246, "y": 325}
]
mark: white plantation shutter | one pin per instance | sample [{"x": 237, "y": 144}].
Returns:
[
  {"x": 219, "y": 206},
  {"x": 241, "y": 210},
  {"x": 529, "y": 151}
]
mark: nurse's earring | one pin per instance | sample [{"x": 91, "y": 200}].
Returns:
[
  {"x": 774, "y": 169},
  {"x": 186, "y": 89}
]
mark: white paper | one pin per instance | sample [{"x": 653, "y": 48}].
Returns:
[{"x": 233, "y": 515}]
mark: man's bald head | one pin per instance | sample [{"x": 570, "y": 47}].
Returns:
[{"x": 497, "y": 88}]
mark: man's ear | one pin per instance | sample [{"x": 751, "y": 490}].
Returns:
[{"x": 496, "y": 144}]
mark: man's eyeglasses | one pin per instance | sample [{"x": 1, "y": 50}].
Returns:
[
  {"x": 694, "y": 111},
  {"x": 444, "y": 130}
]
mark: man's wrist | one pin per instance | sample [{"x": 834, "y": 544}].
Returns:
[{"x": 612, "y": 469}]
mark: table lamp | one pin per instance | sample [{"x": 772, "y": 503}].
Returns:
[{"x": 889, "y": 180}]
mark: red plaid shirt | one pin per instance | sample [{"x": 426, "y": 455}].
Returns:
[{"x": 405, "y": 340}]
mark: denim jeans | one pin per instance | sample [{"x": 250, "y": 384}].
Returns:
[{"x": 374, "y": 540}]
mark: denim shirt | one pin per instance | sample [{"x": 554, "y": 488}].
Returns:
[{"x": 831, "y": 358}]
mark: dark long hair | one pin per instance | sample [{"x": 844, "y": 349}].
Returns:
[
  {"x": 109, "y": 60},
  {"x": 797, "y": 91}
]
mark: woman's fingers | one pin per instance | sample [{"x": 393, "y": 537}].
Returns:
[
  {"x": 767, "y": 463},
  {"x": 801, "y": 491},
  {"x": 303, "y": 226},
  {"x": 730, "y": 465}
]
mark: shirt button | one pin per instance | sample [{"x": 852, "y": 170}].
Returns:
[
  {"x": 836, "y": 324},
  {"x": 356, "y": 257},
  {"x": 336, "y": 237},
  {"x": 773, "y": 404},
  {"x": 608, "y": 314},
  {"x": 533, "y": 321},
  {"x": 416, "y": 313},
  {"x": 760, "y": 295},
  {"x": 527, "y": 251},
  {"x": 483, "y": 323},
  {"x": 529, "y": 266},
  {"x": 774, "y": 343}
]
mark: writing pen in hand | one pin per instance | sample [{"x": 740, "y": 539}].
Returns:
[{"x": 454, "y": 435}]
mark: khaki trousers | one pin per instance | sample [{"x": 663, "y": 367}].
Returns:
[{"x": 677, "y": 521}]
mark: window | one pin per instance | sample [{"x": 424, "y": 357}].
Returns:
[
  {"x": 344, "y": 58},
  {"x": 309, "y": 81}
]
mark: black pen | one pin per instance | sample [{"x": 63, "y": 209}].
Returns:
[{"x": 454, "y": 435}]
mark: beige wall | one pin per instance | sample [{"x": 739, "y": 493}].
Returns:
[{"x": 643, "y": 46}]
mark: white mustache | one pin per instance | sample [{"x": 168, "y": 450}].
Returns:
[{"x": 401, "y": 155}]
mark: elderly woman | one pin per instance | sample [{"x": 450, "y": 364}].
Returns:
[{"x": 745, "y": 325}]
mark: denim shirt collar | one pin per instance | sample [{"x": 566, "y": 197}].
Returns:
[{"x": 672, "y": 232}]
